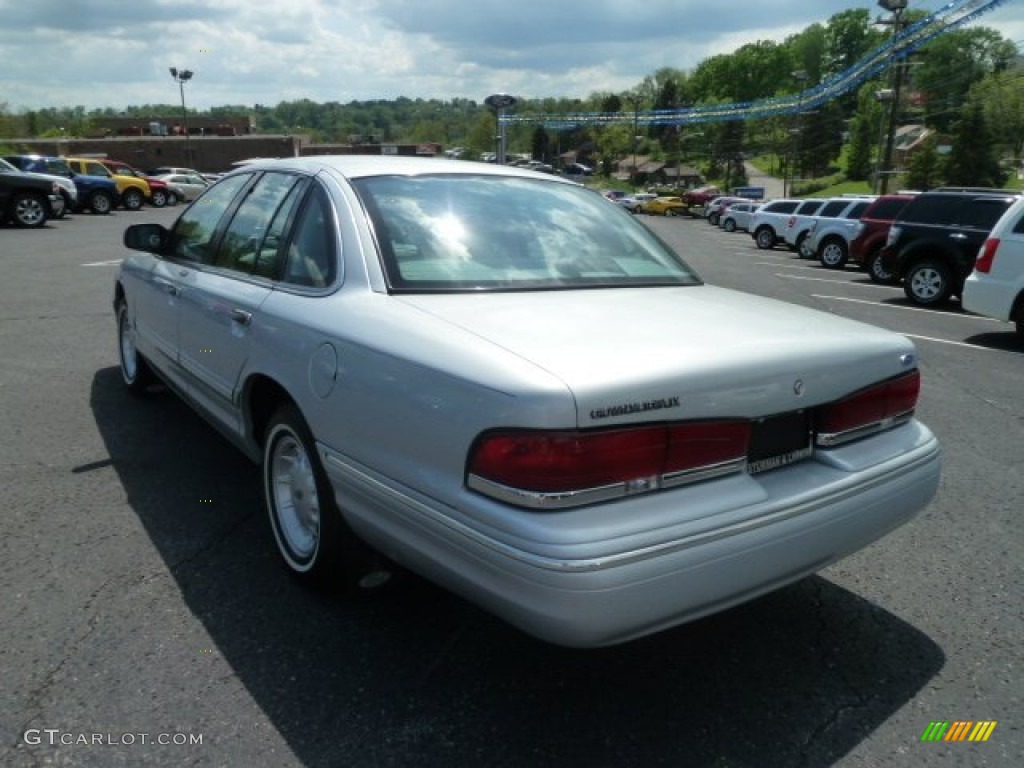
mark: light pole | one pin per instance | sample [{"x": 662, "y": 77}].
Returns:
[
  {"x": 896, "y": 8},
  {"x": 181, "y": 77},
  {"x": 801, "y": 77},
  {"x": 499, "y": 102}
]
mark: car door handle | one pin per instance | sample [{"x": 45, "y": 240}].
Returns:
[
  {"x": 172, "y": 289},
  {"x": 241, "y": 316}
]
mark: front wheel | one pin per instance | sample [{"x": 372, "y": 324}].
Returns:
[
  {"x": 928, "y": 283},
  {"x": 29, "y": 210},
  {"x": 132, "y": 199},
  {"x": 764, "y": 238},
  {"x": 135, "y": 372},
  {"x": 713, "y": 219},
  {"x": 833, "y": 254},
  {"x": 729, "y": 225},
  {"x": 101, "y": 203}
]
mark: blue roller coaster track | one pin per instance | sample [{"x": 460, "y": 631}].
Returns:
[{"x": 951, "y": 16}]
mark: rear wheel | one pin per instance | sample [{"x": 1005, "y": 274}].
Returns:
[
  {"x": 101, "y": 202},
  {"x": 729, "y": 225},
  {"x": 928, "y": 283},
  {"x": 159, "y": 198},
  {"x": 764, "y": 238},
  {"x": 132, "y": 199},
  {"x": 312, "y": 538},
  {"x": 833, "y": 254},
  {"x": 29, "y": 210},
  {"x": 877, "y": 271},
  {"x": 713, "y": 219}
]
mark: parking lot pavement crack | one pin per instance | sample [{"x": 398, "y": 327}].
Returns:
[
  {"x": 34, "y": 702},
  {"x": 211, "y": 545},
  {"x": 848, "y": 688}
]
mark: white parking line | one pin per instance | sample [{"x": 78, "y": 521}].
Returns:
[
  {"x": 824, "y": 280},
  {"x": 957, "y": 343},
  {"x": 964, "y": 316},
  {"x": 108, "y": 263},
  {"x": 777, "y": 265}
]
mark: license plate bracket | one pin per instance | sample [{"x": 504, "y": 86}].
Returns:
[{"x": 779, "y": 440}]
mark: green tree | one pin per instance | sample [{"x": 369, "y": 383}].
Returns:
[
  {"x": 972, "y": 160},
  {"x": 952, "y": 64},
  {"x": 924, "y": 166},
  {"x": 1002, "y": 100}
]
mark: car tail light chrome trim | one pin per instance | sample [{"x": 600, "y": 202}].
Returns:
[{"x": 871, "y": 410}]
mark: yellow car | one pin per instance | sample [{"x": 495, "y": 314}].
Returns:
[
  {"x": 664, "y": 206},
  {"x": 132, "y": 190}
]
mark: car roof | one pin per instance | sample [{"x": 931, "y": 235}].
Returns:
[{"x": 361, "y": 166}]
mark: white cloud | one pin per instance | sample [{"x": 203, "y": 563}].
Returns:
[{"x": 115, "y": 53}]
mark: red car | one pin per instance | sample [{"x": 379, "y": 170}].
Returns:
[
  {"x": 161, "y": 193},
  {"x": 866, "y": 245}
]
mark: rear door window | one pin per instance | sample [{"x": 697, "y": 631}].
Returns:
[
  {"x": 193, "y": 235},
  {"x": 243, "y": 243},
  {"x": 833, "y": 209}
]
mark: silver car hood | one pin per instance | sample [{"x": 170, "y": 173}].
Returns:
[{"x": 646, "y": 354}]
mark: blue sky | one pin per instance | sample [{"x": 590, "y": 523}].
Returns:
[{"x": 98, "y": 53}]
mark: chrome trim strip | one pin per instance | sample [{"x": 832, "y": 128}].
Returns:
[
  {"x": 711, "y": 471},
  {"x": 408, "y": 507},
  {"x": 832, "y": 439},
  {"x": 541, "y": 500}
]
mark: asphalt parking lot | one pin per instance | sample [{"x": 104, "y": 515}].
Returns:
[{"x": 144, "y": 603}]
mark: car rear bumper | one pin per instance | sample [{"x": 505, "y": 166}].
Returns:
[
  {"x": 992, "y": 298},
  {"x": 589, "y": 594}
]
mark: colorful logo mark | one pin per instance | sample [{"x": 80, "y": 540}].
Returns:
[{"x": 959, "y": 730}]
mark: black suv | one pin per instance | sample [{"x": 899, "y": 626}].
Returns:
[{"x": 934, "y": 241}]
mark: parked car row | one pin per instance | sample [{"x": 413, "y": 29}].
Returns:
[
  {"x": 948, "y": 242},
  {"x": 97, "y": 185}
]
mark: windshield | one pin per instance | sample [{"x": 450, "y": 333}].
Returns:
[{"x": 457, "y": 233}]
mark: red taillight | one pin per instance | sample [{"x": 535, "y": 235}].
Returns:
[
  {"x": 870, "y": 410},
  {"x": 568, "y": 461},
  {"x": 625, "y": 460},
  {"x": 987, "y": 255}
]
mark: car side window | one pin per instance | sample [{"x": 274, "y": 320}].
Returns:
[
  {"x": 312, "y": 260},
  {"x": 244, "y": 236},
  {"x": 857, "y": 210},
  {"x": 193, "y": 234},
  {"x": 833, "y": 209},
  {"x": 95, "y": 169},
  {"x": 983, "y": 214}
]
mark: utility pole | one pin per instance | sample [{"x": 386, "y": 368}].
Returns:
[{"x": 896, "y": 7}]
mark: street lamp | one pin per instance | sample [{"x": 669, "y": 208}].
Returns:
[
  {"x": 499, "y": 102},
  {"x": 181, "y": 77}
]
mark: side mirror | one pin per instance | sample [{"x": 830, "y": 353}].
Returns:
[{"x": 146, "y": 237}]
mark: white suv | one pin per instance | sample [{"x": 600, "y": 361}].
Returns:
[
  {"x": 996, "y": 286},
  {"x": 769, "y": 224},
  {"x": 830, "y": 233}
]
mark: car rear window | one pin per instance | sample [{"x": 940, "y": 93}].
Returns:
[
  {"x": 809, "y": 207},
  {"x": 857, "y": 209},
  {"x": 451, "y": 232},
  {"x": 983, "y": 213},
  {"x": 787, "y": 206}
]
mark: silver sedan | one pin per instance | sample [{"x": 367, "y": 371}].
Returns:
[{"x": 493, "y": 378}]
